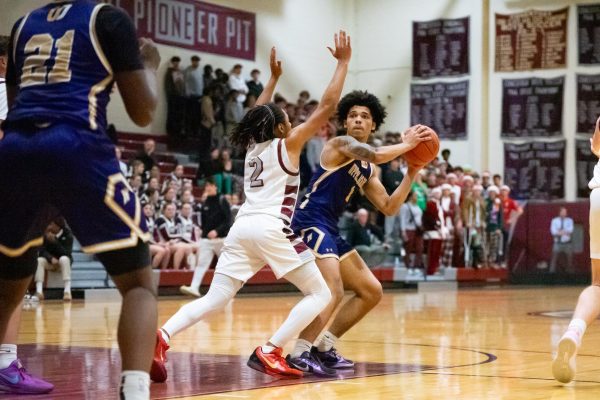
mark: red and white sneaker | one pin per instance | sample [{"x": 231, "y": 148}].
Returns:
[
  {"x": 272, "y": 363},
  {"x": 158, "y": 371}
]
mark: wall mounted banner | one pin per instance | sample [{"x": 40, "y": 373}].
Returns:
[
  {"x": 588, "y": 19},
  {"x": 442, "y": 106},
  {"x": 441, "y": 48},
  {"x": 588, "y": 102},
  {"x": 535, "y": 170},
  {"x": 585, "y": 161},
  {"x": 531, "y": 40},
  {"x": 194, "y": 25},
  {"x": 532, "y": 107}
]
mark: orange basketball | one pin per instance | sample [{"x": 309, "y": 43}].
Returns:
[{"x": 424, "y": 152}]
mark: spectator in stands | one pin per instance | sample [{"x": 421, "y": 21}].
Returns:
[
  {"x": 467, "y": 187},
  {"x": 215, "y": 214},
  {"x": 153, "y": 183},
  {"x": 303, "y": 98},
  {"x": 208, "y": 76},
  {"x": 391, "y": 180},
  {"x": 473, "y": 210},
  {"x": 147, "y": 154},
  {"x": 450, "y": 210},
  {"x": 223, "y": 173},
  {"x": 169, "y": 197},
  {"x": 234, "y": 112},
  {"x": 175, "y": 179},
  {"x": 137, "y": 169},
  {"x": 512, "y": 210},
  {"x": 175, "y": 94},
  {"x": 446, "y": 158},
  {"x": 494, "y": 226},
  {"x": 55, "y": 255},
  {"x": 455, "y": 188},
  {"x": 255, "y": 87},
  {"x": 249, "y": 103},
  {"x": 136, "y": 184},
  {"x": 189, "y": 229},
  {"x": 367, "y": 239},
  {"x": 168, "y": 233},
  {"x": 194, "y": 88},
  {"x": 315, "y": 145},
  {"x": 561, "y": 229},
  {"x": 497, "y": 180},
  {"x": 151, "y": 197},
  {"x": 188, "y": 198},
  {"x": 122, "y": 164},
  {"x": 420, "y": 188},
  {"x": 237, "y": 83},
  {"x": 159, "y": 252},
  {"x": 155, "y": 174},
  {"x": 412, "y": 233},
  {"x": 434, "y": 224},
  {"x": 207, "y": 121}
]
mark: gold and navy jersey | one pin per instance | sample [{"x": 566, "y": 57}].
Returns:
[{"x": 328, "y": 194}]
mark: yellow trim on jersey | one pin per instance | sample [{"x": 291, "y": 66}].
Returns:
[
  {"x": 17, "y": 34},
  {"x": 318, "y": 231},
  {"x": 93, "y": 100},
  {"x": 7, "y": 251},
  {"x": 322, "y": 256},
  {"x": 112, "y": 245},
  {"x": 95, "y": 41}
]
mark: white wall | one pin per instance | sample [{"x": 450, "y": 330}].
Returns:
[
  {"x": 496, "y": 146},
  {"x": 384, "y": 62}
]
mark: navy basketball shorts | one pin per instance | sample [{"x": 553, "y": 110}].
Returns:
[
  {"x": 68, "y": 171},
  {"x": 324, "y": 243}
]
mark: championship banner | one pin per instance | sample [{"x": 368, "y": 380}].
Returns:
[
  {"x": 441, "y": 48},
  {"x": 532, "y": 107},
  {"x": 442, "y": 106},
  {"x": 194, "y": 25},
  {"x": 535, "y": 170},
  {"x": 588, "y": 102},
  {"x": 585, "y": 161},
  {"x": 531, "y": 40},
  {"x": 588, "y": 34}
]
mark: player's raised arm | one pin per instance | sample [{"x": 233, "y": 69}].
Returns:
[
  {"x": 302, "y": 133},
  {"x": 352, "y": 148},
  {"x": 276, "y": 71},
  {"x": 595, "y": 140},
  {"x": 390, "y": 204}
]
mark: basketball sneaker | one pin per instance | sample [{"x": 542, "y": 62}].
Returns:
[
  {"x": 158, "y": 371},
  {"x": 189, "y": 291},
  {"x": 15, "y": 379},
  {"x": 563, "y": 365},
  {"x": 331, "y": 358},
  {"x": 272, "y": 363},
  {"x": 307, "y": 362}
]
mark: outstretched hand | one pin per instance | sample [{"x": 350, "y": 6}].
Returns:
[
  {"x": 416, "y": 134},
  {"x": 595, "y": 140},
  {"x": 275, "y": 64},
  {"x": 343, "y": 49},
  {"x": 149, "y": 53}
]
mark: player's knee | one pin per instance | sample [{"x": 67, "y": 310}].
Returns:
[
  {"x": 374, "y": 292},
  {"x": 337, "y": 291},
  {"x": 323, "y": 294}
]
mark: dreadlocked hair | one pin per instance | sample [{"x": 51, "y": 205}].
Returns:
[
  {"x": 365, "y": 99},
  {"x": 257, "y": 126}
]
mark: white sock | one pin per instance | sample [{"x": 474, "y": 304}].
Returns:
[
  {"x": 68, "y": 286},
  {"x": 39, "y": 287},
  {"x": 135, "y": 385},
  {"x": 327, "y": 341},
  {"x": 578, "y": 326},
  {"x": 8, "y": 354},
  {"x": 266, "y": 348},
  {"x": 301, "y": 346}
]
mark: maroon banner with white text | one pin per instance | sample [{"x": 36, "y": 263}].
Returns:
[{"x": 194, "y": 25}]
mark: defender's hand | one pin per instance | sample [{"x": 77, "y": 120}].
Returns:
[
  {"x": 343, "y": 48},
  {"x": 275, "y": 64}
]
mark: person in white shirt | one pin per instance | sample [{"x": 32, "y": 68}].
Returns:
[
  {"x": 561, "y": 229},
  {"x": 236, "y": 82},
  {"x": 588, "y": 305}
]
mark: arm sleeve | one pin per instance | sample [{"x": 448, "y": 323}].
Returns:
[{"x": 117, "y": 37}]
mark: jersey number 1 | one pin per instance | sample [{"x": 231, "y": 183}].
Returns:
[{"x": 38, "y": 50}]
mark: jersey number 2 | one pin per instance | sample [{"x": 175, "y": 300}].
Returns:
[
  {"x": 38, "y": 50},
  {"x": 257, "y": 164}
]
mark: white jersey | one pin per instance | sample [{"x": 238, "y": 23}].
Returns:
[{"x": 270, "y": 181}]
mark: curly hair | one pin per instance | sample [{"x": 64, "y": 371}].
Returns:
[
  {"x": 257, "y": 126},
  {"x": 365, "y": 99}
]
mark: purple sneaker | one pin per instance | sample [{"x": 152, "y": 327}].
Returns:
[
  {"x": 15, "y": 379},
  {"x": 331, "y": 358},
  {"x": 308, "y": 363}
]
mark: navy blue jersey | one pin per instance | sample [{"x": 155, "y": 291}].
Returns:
[
  {"x": 328, "y": 194},
  {"x": 62, "y": 73}
]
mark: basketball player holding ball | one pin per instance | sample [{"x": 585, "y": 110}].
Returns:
[
  {"x": 347, "y": 168},
  {"x": 588, "y": 305}
]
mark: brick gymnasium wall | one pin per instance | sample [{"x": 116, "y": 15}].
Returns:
[{"x": 531, "y": 244}]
